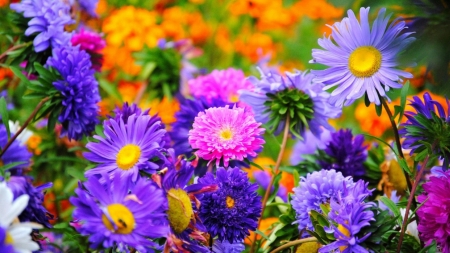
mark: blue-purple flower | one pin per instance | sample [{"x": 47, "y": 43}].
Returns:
[
  {"x": 89, "y": 6},
  {"x": 127, "y": 148},
  {"x": 234, "y": 209},
  {"x": 47, "y": 21},
  {"x": 276, "y": 98},
  {"x": 15, "y": 153},
  {"x": 226, "y": 247},
  {"x": 79, "y": 91},
  {"x": 362, "y": 61},
  {"x": 121, "y": 215},
  {"x": 309, "y": 145}
]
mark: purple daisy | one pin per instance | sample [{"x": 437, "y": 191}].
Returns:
[
  {"x": 349, "y": 160},
  {"x": 362, "y": 60},
  {"x": 92, "y": 43},
  {"x": 127, "y": 148},
  {"x": 234, "y": 209},
  {"x": 121, "y": 215},
  {"x": 317, "y": 188},
  {"x": 434, "y": 212},
  {"x": 79, "y": 91},
  {"x": 189, "y": 109},
  {"x": 47, "y": 21},
  {"x": 15, "y": 153},
  {"x": 226, "y": 133},
  {"x": 351, "y": 214},
  {"x": 276, "y": 97},
  {"x": 309, "y": 145},
  {"x": 222, "y": 84}
]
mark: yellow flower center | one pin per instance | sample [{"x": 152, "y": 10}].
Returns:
[
  {"x": 128, "y": 156},
  {"x": 364, "y": 61},
  {"x": 180, "y": 210},
  {"x": 226, "y": 134},
  {"x": 234, "y": 98},
  {"x": 122, "y": 218},
  {"x": 230, "y": 202},
  {"x": 8, "y": 240},
  {"x": 344, "y": 231},
  {"x": 308, "y": 247}
]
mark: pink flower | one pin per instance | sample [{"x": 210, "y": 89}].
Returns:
[
  {"x": 222, "y": 84},
  {"x": 92, "y": 43},
  {"x": 228, "y": 133}
]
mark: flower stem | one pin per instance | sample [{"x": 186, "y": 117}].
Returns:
[
  {"x": 11, "y": 49},
  {"x": 410, "y": 201},
  {"x": 33, "y": 114},
  {"x": 276, "y": 170},
  {"x": 293, "y": 243}
]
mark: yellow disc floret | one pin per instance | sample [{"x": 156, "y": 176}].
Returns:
[
  {"x": 344, "y": 231},
  {"x": 230, "y": 202},
  {"x": 364, "y": 61},
  {"x": 8, "y": 240},
  {"x": 226, "y": 134},
  {"x": 180, "y": 210},
  {"x": 128, "y": 156},
  {"x": 122, "y": 218}
]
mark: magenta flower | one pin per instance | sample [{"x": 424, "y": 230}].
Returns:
[
  {"x": 92, "y": 43},
  {"x": 434, "y": 214},
  {"x": 222, "y": 84},
  {"x": 228, "y": 133}
]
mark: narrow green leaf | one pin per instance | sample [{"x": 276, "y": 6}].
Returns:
[
  {"x": 403, "y": 95},
  {"x": 17, "y": 72},
  {"x": 110, "y": 89},
  {"x": 5, "y": 115},
  {"x": 10, "y": 165},
  {"x": 395, "y": 210}
]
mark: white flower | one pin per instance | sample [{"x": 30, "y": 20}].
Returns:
[
  {"x": 24, "y": 136},
  {"x": 17, "y": 234},
  {"x": 411, "y": 229}
]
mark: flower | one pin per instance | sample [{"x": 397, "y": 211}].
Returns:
[
  {"x": 47, "y": 19},
  {"x": 92, "y": 43},
  {"x": 434, "y": 212},
  {"x": 89, "y": 6},
  {"x": 351, "y": 214},
  {"x": 309, "y": 145},
  {"x": 275, "y": 98},
  {"x": 119, "y": 214},
  {"x": 228, "y": 133},
  {"x": 263, "y": 179},
  {"x": 14, "y": 237},
  {"x": 361, "y": 61},
  {"x": 222, "y": 84},
  {"x": 189, "y": 109},
  {"x": 430, "y": 124},
  {"x": 24, "y": 136},
  {"x": 226, "y": 247},
  {"x": 317, "y": 188},
  {"x": 127, "y": 148},
  {"x": 15, "y": 153},
  {"x": 349, "y": 160},
  {"x": 234, "y": 209},
  {"x": 79, "y": 91},
  {"x": 35, "y": 211}
]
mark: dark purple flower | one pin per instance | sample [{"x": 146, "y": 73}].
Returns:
[
  {"x": 79, "y": 90},
  {"x": 15, "y": 153},
  {"x": 234, "y": 209},
  {"x": 347, "y": 154},
  {"x": 4, "y": 246}
]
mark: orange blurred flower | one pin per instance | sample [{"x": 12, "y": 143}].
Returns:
[
  {"x": 420, "y": 76},
  {"x": 370, "y": 122},
  {"x": 223, "y": 40},
  {"x": 128, "y": 90},
  {"x": 264, "y": 162},
  {"x": 33, "y": 144},
  {"x": 275, "y": 16},
  {"x": 266, "y": 227},
  {"x": 3, "y": 3},
  {"x": 166, "y": 109},
  {"x": 252, "y": 7},
  {"x": 316, "y": 9},
  {"x": 254, "y": 46}
]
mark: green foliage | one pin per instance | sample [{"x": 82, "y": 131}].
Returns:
[{"x": 4, "y": 116}]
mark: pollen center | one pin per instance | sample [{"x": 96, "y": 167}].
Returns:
[
  {"x": 128, "y": 156},
  {"x": 8, "y": 240},
  {"x": 364, "y": 61},
  {"x": 226, "y": 134},
  {"x": 230, "y": 202},
  {"x": 180, "y": 210},
  {"x": 122, "y": 218}
]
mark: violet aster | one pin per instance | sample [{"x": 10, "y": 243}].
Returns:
[
  {"x": 35, "y": 210},
  {"x": 362, "y": 61},
  {"x": 317, "y": 188},
  {"x": 274, "y": 98},
  {"x": 348, "y": 160},
  {"x": 226, "y": 133},
  {"x": 89, "y": 6},
  {"x": 120, "y": 215},
  {"x": 15, "y": 153},
  {"x": 309, "y": 145},
  {"x": 430, "y": 125},
  {"x": 79, "y": 91},
  {"x": 92, "y": 43},
  {"x": 434, "y": 212},
  {"x": 226, "y": 247},
  {"x": 127, "y": 148},
  {"x": 47, "y": 19},
  {"x": 351, "y": 214},
  {"x": 189, "y": 109},
  {"x": 234, "y": 209},
  {"x": 223, "y": 84}
]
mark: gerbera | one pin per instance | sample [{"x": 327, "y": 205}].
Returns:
[
  {"x": 127, "y": 148},
  {"x": 362, "y": 61},
  {"x": 189, "y": 109},
  {"x": 14, "y": 237},
  {"x": 234, "y": 209},
  {"x": 16, "y": 152},
  {"x": 47, "y": 19},
  {"x": 226, "y": 133},
  {"x": 317, "y": 188},
  {"x": 275, "y": 98},
  {"x": 434, "y": 212},
  {"x": 120, "y": 215},
  {"x": 223, "y": 84},
  {"x": 79, "y": 91}
]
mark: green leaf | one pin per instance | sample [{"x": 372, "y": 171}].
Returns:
[
  {"x": 5, "y": 115},
  {"x": 259, "y": 232},
  {"x": 110, "y": 89},
  {"x": 10, "y": 165},
  {"x": 17, "y": 72},
  {"x": 296, "y": 176},
  {"x": 256, "y": 165},
  {"x": 379, "y": 109},
  {"x": 403, "y": 95},
  {"x": 430, "y": 248},
  {"x": 391, "y": 205}
]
